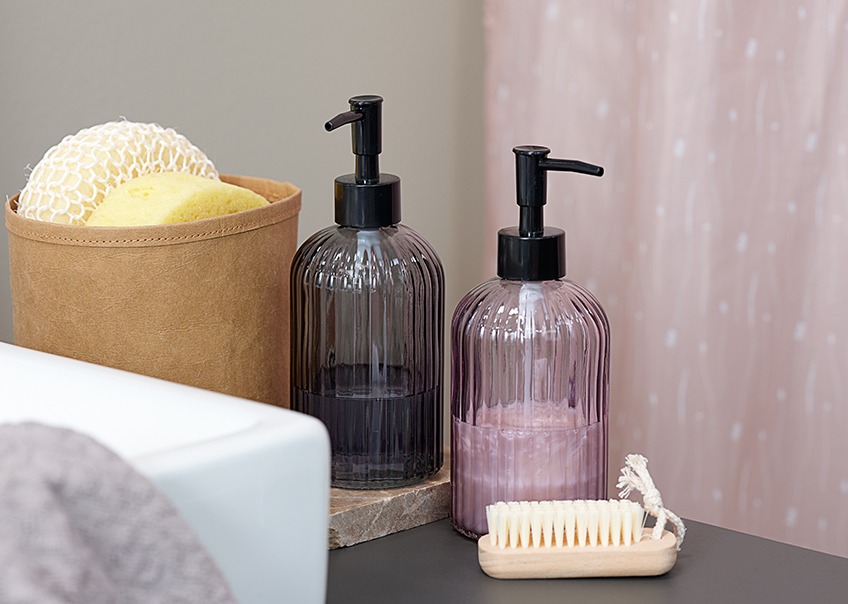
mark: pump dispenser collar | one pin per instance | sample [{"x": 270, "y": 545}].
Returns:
[
  {"x": 366, "y": 198},
  {"x": 531, "y": 251}
]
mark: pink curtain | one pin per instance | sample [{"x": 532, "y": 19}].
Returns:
[{"x": 717, "y": 241}]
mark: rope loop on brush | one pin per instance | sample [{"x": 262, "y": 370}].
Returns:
[{"x": 635, "y": 476}]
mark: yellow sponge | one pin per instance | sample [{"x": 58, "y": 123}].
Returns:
[{"x": 171, "y": 197}]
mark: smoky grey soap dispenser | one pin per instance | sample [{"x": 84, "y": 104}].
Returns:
[
  {"x": 529, "y": 369},
  {"x": 367, "y": 321}
]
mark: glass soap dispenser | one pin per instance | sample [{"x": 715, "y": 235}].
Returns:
[
  {"x": 530, "y": 369},
  {"x": 367, "y": 325}
]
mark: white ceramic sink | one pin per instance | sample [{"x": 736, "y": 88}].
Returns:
[{"x": 251, "y": 479}]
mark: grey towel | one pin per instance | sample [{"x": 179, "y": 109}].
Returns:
[{"x": 78, "y": 524}]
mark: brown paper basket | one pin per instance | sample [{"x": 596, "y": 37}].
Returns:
[{"x": 203, "y": 303}]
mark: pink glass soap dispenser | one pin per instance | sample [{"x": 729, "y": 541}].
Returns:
[{"x": 530, "y": 369}]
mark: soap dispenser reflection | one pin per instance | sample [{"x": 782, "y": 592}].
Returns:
[
  {"x": 367, "y": 325},
  {"x": 529, "y": 369}
]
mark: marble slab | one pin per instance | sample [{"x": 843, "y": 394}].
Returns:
[{"x": 357, "y": 515}]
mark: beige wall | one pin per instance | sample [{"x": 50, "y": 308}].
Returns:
[{"x": 251, "y": 83}]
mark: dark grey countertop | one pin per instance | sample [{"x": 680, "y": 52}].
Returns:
[{"x": 436, "y": 565}]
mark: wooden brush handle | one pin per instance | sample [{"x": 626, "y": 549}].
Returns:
[{"x": 646, "y": 558}]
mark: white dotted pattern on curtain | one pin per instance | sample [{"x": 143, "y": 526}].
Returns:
[{"x": 717, "y": 240}]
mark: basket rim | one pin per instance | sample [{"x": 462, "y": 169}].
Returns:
[{"x": 285, "y": 204}]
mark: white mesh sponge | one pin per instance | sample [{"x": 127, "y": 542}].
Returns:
[{"x": 74, "y": 176}]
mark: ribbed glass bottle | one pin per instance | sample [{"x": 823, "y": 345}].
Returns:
[
  {"x": 367, "y": 351},
  {"x": 529, "y": 397}
]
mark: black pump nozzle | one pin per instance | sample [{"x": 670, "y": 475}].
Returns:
[
  {"x": 531, "y": 183},
  {"x": 366, "y": 135},
  {"x": 366, "y": 198},
  {"x": 532, "y": 252}
]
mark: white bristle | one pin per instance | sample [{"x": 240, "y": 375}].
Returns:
[
  {"x": 582, "y": 522},
  {"x": 503, "y": 518},
  {"x": 570, "y": 525},
  {"x": 559, "y": 523},
  {"x": 615, "y": 523},
  {"x": 548, "y": 522},
  {"x": 536, "y": 524},
  {"x": 638, "y": 520},
  {"x": 604, "y": 523},
  {"x": 524, "y": 524},
  {"x": 492, "y": 522},
  {"x": 533, "y": 524},
  {"x": 626, "y": 525},
  {"x": 512, "y": 524},
  {"x": 593, "y": 517}
]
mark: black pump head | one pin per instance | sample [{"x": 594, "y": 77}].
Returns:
[
  {"x": 532, "y": 252},
  {"x": 366, "y": 198}
]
